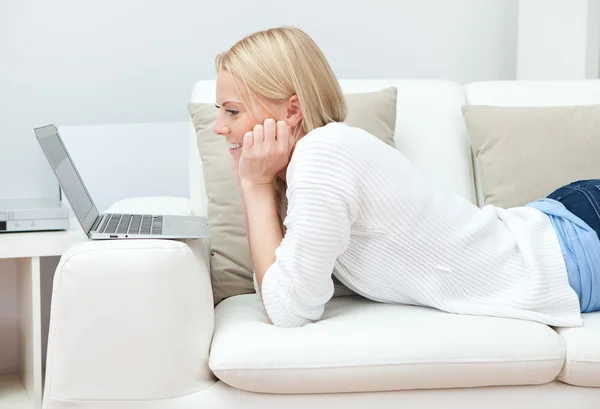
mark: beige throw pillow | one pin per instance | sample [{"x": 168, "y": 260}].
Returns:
[
  {"x": 231, "y": 263},
  {"x": 524, "y": 153}
]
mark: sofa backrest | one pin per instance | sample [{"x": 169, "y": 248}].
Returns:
[
  {"x": 430, "y": 132},
  {"x": 533, "y": 93}
]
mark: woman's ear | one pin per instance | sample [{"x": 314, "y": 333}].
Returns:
[{"x": 294, "y": 112}]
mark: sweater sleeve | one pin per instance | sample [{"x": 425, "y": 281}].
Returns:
[{"x": 321, "y": 209}]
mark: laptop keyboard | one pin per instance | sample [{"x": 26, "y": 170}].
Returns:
[{"x": 132, "y": 224}]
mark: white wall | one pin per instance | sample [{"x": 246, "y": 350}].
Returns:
[
  {"x": 118, "y": 161},
  {"x": 75, "y": 62},
  {"x": 593, "y": 39},
  {"x": 558, "y": 40}
]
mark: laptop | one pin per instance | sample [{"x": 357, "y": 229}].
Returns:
[{"x": 102, "y": 226}]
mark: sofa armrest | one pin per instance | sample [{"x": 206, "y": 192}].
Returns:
[{"x": 130, "y": 320}]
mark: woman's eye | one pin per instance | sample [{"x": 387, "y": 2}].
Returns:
[{"x": 233, "y": 112}]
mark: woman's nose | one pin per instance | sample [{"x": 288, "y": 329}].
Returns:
[{"x": 220, "y": 128}]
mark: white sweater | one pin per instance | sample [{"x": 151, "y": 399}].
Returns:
[{"x": 360, "y": 210}]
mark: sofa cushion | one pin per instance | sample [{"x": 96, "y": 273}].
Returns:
[
  {"x": 525, "y": 153},
  {"x": 361, "y": 346},
  {"x": 582, "y": 366},
  {"x": 231, "y": 264}
]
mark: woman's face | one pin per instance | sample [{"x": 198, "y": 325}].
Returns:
[{"x": 235, "y": 119}]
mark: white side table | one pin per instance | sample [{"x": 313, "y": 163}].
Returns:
[{"x": 23, "y": 390}]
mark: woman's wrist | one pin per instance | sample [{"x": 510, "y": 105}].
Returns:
[{"x": 250, "y": 188}]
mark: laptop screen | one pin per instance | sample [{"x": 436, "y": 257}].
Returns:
[{"x": 67, "y": 176}]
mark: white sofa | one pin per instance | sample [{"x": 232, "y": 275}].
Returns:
[{"x": 133, "y": 323}]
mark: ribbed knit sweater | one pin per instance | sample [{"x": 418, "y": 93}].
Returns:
[{"x": 358, "y": 209}]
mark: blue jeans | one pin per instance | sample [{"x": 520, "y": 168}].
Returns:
[
  {"x": 580, "y": 248},
  {"x": 582, "y": 198}
]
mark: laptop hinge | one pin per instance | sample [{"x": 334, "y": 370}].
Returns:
[{"x": 96, "y": 222}]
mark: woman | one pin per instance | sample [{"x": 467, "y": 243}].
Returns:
[{"x": 323, "y": 198}]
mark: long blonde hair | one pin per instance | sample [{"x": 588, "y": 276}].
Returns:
[{"x": 277, "y": 64}]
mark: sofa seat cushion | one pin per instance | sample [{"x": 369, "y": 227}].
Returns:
[
  {"x": 582, "y": 366},
  {"x": 363, "y": 346}
]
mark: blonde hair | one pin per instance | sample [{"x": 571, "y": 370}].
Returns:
[{"x": 277, "y": 64}]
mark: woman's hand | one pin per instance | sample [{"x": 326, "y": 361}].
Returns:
[{"x": 265, "y": 152}]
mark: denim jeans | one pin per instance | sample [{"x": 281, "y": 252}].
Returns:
[
  {"x": 582, "y": 198},
  {"x": 582, "y": 251}
]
